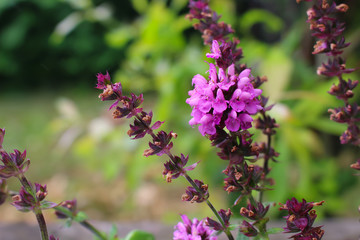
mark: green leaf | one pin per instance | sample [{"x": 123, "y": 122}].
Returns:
[
  {"x": 113, "y": 233},
  {"x": 253, "y": 16},
  {"x": 278, "y": 67},
  {"x": 241, "y": 236},
  {"x": 139, "y": 235},
  {"x": 80, "y": 217},
  {"x": 68, "y": 222},
  {"x": 274, "y": 230}
]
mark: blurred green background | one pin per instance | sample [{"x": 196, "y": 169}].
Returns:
[{"x": 51, "y": 51}]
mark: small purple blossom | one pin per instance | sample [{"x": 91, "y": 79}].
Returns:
[
  {"x": 176, "y": 167},
  {"x": 13, "y": 164},
  {"x": 215, "y": 50},
  {"x": 71, "y": 205},
  {"x": 103, "y": 80},
  {"x": 193, "y": 195},
  {"x": 193, "y": 230},
  {"x": 225, "y": 216}
]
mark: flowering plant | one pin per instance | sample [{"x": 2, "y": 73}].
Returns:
[{"x": 227, "y": 107}]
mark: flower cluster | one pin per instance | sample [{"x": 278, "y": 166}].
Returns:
[
  {"x": 14, "y": 163},
  {"x": 222, "y": 107},
  {"x": 224, "y": 216},
  {"x": 192, "y": 194},
  {"x": 193, "y": 230},
  {"x": 227, "y": 99},
  {"x": 161, "y": 142},
  {"x": 26, "y": 201},
  {"x": 257, "y": 215},
  {"x": 209, "y": 26},
  {"x": 71, "y": 206},
  {"x": 301, "y": 218}
]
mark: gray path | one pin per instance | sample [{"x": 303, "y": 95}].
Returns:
[{"x": 345, "y": 229}]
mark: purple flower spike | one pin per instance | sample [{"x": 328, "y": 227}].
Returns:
[
  {"x": 226, "y": 100},
  {"x": 193, "y": 230}
]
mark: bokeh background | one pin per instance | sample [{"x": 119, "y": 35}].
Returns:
[{"x": 51, "y": 51}]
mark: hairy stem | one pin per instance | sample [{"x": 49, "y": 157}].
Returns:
[
  {"x": 38, "y": 213},
  {"x": 227, "y": 231},
  {"x": 92, "y": 229},
  {"x": 266, "y": 163}
]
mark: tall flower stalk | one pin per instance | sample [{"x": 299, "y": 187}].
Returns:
[
  {"x": 31, "y": 197},
  {"x": 223, "y": 107},
  {"x": 328, "y": 29},
  {"x": 160, "y": 144}
]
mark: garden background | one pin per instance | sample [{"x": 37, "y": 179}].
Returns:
[{"x": 51, "y": 51}]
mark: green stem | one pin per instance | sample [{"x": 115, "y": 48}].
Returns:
[
  {"x": 266, "y": 163},
  {"x": 226, "y": 230},
  {"x": 92, "y": 229},
  {"x": 84, "y": 223},
  {"x": 38, "y": 213}
]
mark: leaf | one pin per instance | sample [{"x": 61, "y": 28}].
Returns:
[
  {"x": 68, "y": 222},
  {"x": 80, "y": 217},
  {"x": 47, "y": 205},
  {"x": 113, "y": 233},
  {"x": 139, "y": 235},
  {"x": 253, "y": 16},
  {"x": 278, "y": 67},
  {"x": 274, "y": 230},
  {"x": 241, "y": 236}
]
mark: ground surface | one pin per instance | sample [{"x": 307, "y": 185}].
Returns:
[{"x": 345, "y": 229}]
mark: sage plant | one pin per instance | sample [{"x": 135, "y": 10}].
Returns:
[
  {"x": 160, "y": 144},
  {"x": 31, "y": 197}
]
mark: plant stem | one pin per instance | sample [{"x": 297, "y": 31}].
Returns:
[
  {"x": 42, "y": 225},
  {"x": 266, "y": 162},
  {"x": 191, "y": 181},
  {"x": 84, "y": 223},
  {"x": 37, "y": 211},
  {"x": 226, "y": 230},
  {"x": 92, "y": 229}
]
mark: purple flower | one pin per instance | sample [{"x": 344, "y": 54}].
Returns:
[
  {"x": 103, "y": 80},
  {"x": 27, "y": 201},
  {"x": 193, "y": 195},
  {"x": 215, "y": 51},
  {"x": 301, "y": 218},
  {"x": 176, "y": 167},
  {"x": 193, "y": 230},
  {"x": 226, "y": 100},
  {"x": 70, "y": 205}
]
